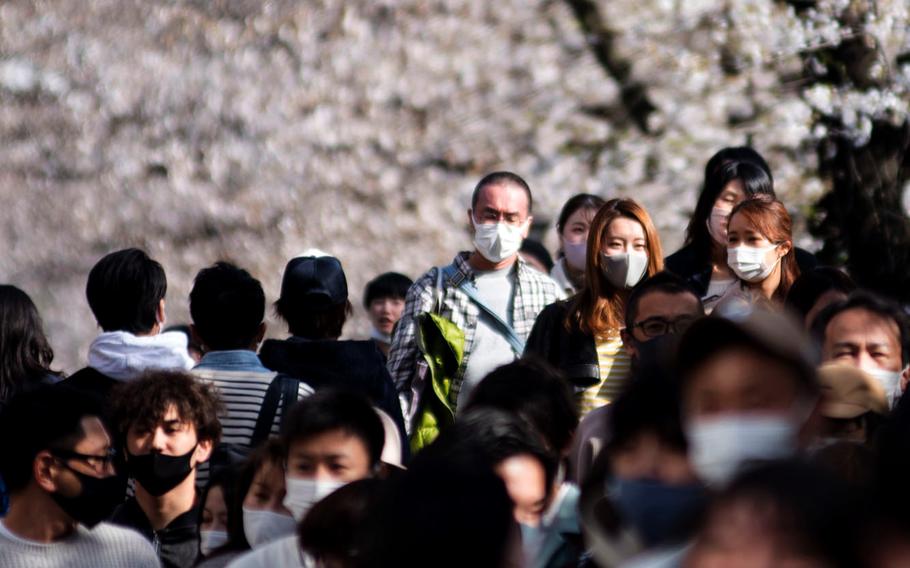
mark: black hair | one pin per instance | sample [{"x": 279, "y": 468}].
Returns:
[
  {"x": 736, "y": 154},
  {"x": 870, "y": 302},
  {"x": 388, "y": 285},
  {"x": 124, "y": 289},
  {"x": 663, "y": 281},
  {"x": 227, "y": 479},
  {"x": 227, "y": 306},
  {"x": 48, "y": 417},
  {"x": 817, "y": 513},
  {"x": 501, "y": 178},
  {"x": 576, "y": 202},
  {"x": 324, "y": 323},
  {"x": 25, "y": 354},
  {"x": 330, "y": 410},
  {"x": 536, "y": 392},
  {"x": 536, "y": 249},
  {"x": 755, "y": 179},
  {"x": 337, "y": 527},
  {"x": 811, "y": 285}
]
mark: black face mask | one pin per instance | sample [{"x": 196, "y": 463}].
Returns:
[
  {"x": 97, "y": 500},
  {"x": 158, "y": 473}
]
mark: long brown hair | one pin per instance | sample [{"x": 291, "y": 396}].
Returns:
[
  {"x": 598, "y": 308},
  {"x": 770, "y": 218}
]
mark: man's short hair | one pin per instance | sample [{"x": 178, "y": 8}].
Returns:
[
  {"x": 388, "y": 285},
  {"x": 227, "y": 305},
  {"x": 501, "y": 178},
  {"x": 537, "y": 393},
  {"x": 870, "y": 302},
  {"x": 330, "y": 410},
  {"x": 143, "y": 403},
  {"x": 663, "y": 281},
  {"x": 124, "y": 289},
  {"x": 37, "y": 420}
]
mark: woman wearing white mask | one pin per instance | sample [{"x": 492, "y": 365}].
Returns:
[
  {"x": 572, "y": 226},
  {"x": 581, "y": 335},
  {"x": 760, "y": 253}
]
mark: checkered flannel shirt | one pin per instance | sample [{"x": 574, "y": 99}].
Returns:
[{"x": 533, "y": 292}]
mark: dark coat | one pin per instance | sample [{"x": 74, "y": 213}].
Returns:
[
  {"x": 177, "y": 544},
  {"x": 347, "y": 365},
  {"x": 573, "y": 352},
  {"x": 685, "y": 263}
]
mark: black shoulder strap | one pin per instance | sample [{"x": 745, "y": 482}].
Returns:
[{"x": 281, "y": 385}]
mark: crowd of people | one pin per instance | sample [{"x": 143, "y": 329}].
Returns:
[{"x": 732, "y": 404}]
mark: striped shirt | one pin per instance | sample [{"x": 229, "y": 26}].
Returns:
[{"x": 615, "y": 367}]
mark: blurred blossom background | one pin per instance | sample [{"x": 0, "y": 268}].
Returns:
[{"x": 251, "y": 130}]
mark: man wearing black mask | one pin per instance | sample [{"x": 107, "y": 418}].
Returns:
[
  {"x": 168, "y": 423},
  {"x": 58, "y": 464}
]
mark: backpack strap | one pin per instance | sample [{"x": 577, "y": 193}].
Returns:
[{"x": 281, "y": 386}]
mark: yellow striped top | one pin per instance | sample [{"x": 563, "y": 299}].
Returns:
[{"x": 615, "y": 367}]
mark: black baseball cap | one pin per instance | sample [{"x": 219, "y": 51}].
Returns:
[{"x": 314, "y": 283}]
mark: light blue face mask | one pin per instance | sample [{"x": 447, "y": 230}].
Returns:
[
  {"x": 531, "y": 539},
  {"x": 655, "y": 510}
]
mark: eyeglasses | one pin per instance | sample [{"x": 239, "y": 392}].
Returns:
[
  {"x": 657, "y": 326},
  {"x": 97, "y": 463}
]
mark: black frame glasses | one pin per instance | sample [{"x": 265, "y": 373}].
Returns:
[
  {"x": 657, "y": 326},
  {"x": 96, "y": 462}
]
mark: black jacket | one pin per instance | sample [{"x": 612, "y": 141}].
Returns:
[
  {"x": 685, "y": 263},
  {"x": 573, "y": 352},
  {"x": 347, "y": 365},
  {"x": 177, "y": 544}
]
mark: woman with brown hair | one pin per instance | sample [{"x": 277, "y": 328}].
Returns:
[
  {"x": 760, "y": 252},
  {"x": 581, "y": 335}
]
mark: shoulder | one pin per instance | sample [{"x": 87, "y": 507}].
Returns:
[
  {"x": 125, "y": 543},
  {"x": 683, "y": 262},
  {"x": 282, "y": 552}
]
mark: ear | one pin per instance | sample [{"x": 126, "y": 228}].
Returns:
[
  {"x": 471, "y": 219},
  {"x": 43, "y": 469},
  {"x": 785, "y": 248},
  {"x": 527, "y": 227},
  {"x": 628, "y": 342},
  {"x": 159, "y": 314},
  {"x": 203, "y": 451},
  {"x": 196, "y": 339},
  {"x": 905, "y": 378}
]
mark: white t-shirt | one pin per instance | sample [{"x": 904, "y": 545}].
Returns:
[{"x": 284, "y": 552}]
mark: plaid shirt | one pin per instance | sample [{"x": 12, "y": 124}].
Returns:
[{"x": 533, "y": 291}]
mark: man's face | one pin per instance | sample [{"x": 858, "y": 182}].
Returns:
[
  {"x": 172, "y": 436},
  {"x": 502, "y": 203},
  {"x": 89, "y": 456},
  {"x": 660, "y": 313},
  {"x": 385, "y": 313},
  {"x": 863, "y": 339},
  {"x": 330, "y": 456},
  {"x": 739, "y": 380}
]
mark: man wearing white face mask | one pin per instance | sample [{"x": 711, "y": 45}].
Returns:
[
  {"x": 870, "y": 333},
  {"x": 332, "y": 438},
  {"x": 749, "y": 393},
  {"x": 489, "y": 293}
]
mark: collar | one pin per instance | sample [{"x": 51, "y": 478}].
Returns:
[
  {"x": 240, "y": 359},
  {"x": 464, "y": 270}
]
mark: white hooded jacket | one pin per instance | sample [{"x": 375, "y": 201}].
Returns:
[{"x": 123, "y": 356}]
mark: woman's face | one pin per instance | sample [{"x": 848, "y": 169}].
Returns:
[
  {"x": 575, "y": 231},
  {"x": 267, "y": 490},
  {"x": 624, "y": 235},
  {"x": 730, "y": 195},
  {"x": 742, "y": 233},
  {"x": 214, "y": 511}
]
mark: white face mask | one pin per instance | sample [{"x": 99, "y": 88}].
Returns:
[
  {"x": 303, "y": 493},
  {"x": 497, "y": 241},
  {"x": 576, "y": 254},
  {"x": 210, "y": 540},
  {"x": 750, "y": 263},
  {"x": 890, "y": 382},
  {"x": 624, "y": 270},
  {"x": 717, "y": 224},
  {"x": 261, "y": 526},
  {"x": 719, "y": 446}
]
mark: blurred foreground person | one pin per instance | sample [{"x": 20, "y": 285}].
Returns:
[
  {"x": 572, "y": 226},
  {"x": 870, "y": 333},
  {"x": 25, "y": 354},
  {"x": 748, "y": 392},
  {"x": 168, "y": 424},
  {"x": 58, "y": 463},
  {"x": 215, "y": 517},
  {"x": 782, "y": 514},
  {"x": 642, "y": 498},
  {"x": 471, "y": 316},
  {"x": 536, "y": 255},
  {"x": 581, "y": 336},
  {"x": 817, "y": 289},
  {"x": 125, "y": 291},
  {"x": 331, "y": 438},
  {"x": 383, "y": 299}
]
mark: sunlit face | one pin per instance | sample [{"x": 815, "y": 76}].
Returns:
[
  {"x": 214, "y": 511},
  {"x": 385, "y": 313},
  {"x": 624, "y": 235},
  {"x": 742, "y": 233},
  {"x": 863, "y": 339},
  {"x": 575, "y": 230},
  {"x": 267, "y": 490},
  {"x": 173, "y": 436},
  {"x": 526, "y": 483},
  {"x": 331, "y": 456},
  {"x": 647, "y": 457},
  {"x": 93, "y": 458},
  {"x": 502, "y": 203}
]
